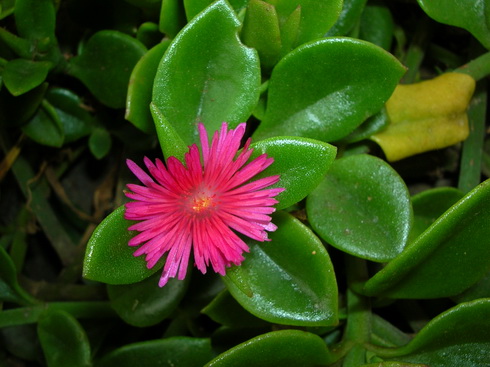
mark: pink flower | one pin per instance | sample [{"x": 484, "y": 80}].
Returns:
[{"x": 201, "y": 206}]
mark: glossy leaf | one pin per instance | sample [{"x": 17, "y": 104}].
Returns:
[
  {"x": 437, "y": 105},
  {"x": 108, "y": 258},
  {"x": 63, "y": 340},
  {"x": 277, "y": 348},
  {"x": 289, "y": 280},
  {"x": 145, "y": 304},
  {"x": 140, "y": 88},
  {"x": 363, "y": 208},
  {"x": 21, "y": 76},
  {"x": 100, "y": 142},
  {"x": 474, "y": 18},
  {"x": 75, "y": 120},
  {"x": 207, "y": 75},
  {"x": 45, "y": 127},
  {"x": 225, "y": 310},
  {"x": 450, "y": 256},
  {"x": 301, "y": 163},
  {"x": 308, "y": 94},
  {"x": 316, "y": 16},
  {"x": 261, "y": 31},
  {"x": 105, "y": 65},
  {"x": 429, "y": 205},
  {"x": 177, "y": 351},
  {"x": 457, "y": 337},
  {"x": 170, "y": 140}
]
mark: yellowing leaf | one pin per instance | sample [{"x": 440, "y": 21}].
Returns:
[{"x": 426, "y": 116}]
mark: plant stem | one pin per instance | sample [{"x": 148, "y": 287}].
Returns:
[
  {"x": 478, "y": 68},
  {"x": 471, "y": 158}
]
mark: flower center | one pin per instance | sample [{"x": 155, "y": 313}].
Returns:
[{"x": 201, "y": 202}]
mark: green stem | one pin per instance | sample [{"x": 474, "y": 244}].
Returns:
[
  {"x": 30, "y": 315},
  {"x": 478, "y": 68},
  {"x": 471, "y": 158},
  {"x": 416, "y": 52}
]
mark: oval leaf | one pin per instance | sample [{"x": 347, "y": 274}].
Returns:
[
  {"x": 178, "y": 351},
  {"x": 450, "y": 256},
  {"x": 108, "y": 258},
  {"x": 63, "y": 340},
  {"x": 207, "y": 75},
  {"x": 301, "y": 163},
  {"x": 278, "y": 348},
  {"x": 145, "y": 304},
  {"x": 363, "y": 208},
  {"x": 325, "y": 89},
  {"x": 289, "y": 280},
  {"x": 105, "y": 65}
]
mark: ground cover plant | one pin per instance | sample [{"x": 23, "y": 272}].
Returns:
[{"x": 244, "y": 183}]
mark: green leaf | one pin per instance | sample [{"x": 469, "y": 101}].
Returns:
[
  {"x": 430, "y": 205},
  {"x": 348, "y": 18},
  {"x": 45, "y": 127},
  {"x": 207, "y": 75},
  {"x": 172, "y": 17},
  {"x": 325, "y": 89},
  {"x": 21, "y": 76},
  {"x": 377, "y": 26},
  {"x": 289, "y": 280},
  {"x": 261, "y": 31},
  {"x": 170, "y": 141},
  {"x": 475, "y": 18},
  {"x": 75, "y": 120},
  {"x": 109, "y": 259},
  {"x": 36, "y": 20},
  {"x": 140, "y": 88},
  {"x": 277, "y": 348},
  {"x": 363, "y": 208},
  {"x": 301, "y": 163},
  {"x": 100, "y": 142},
  {"x": 316, "y": 16},
  {"x": 225, "y": 310},
  {"x": 63, "y": 340},
  {"x": 170, "y": 352},
  {"x": 149, "y": 34},
  {"x": 457, "y": 337},
  {"x": 10, "y": 290},
  {"x": 105, "y": 65},
  {"x": 145, "y": 304},
  {"x": 450, "y": 256}
]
